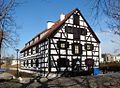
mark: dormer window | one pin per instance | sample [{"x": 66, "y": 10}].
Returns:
[
  {"x": 89, "y": 47},
  {"x": 62, "y": 44},
  {"x": 76, "y": 19}
]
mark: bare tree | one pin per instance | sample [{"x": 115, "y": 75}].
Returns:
[
  {"x": 8, "y": 35},
  {"x": 110, "y": 10}
]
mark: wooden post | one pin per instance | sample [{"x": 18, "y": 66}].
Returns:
[{"x": 49, "y": 59}]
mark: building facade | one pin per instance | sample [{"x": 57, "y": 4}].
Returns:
[
  {"x": 67, "y": 44},
  {"x": 117, "y": 57},
  {"x": 107, "y": 57}
]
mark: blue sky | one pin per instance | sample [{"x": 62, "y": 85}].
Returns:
[{"x": 32, "y": 17}]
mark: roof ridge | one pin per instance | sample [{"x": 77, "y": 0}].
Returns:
[{"x": 56, "y": 26}]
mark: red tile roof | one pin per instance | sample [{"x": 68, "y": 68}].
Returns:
[
  {"x": 118, "y": 54},
  {"x": 56, "y": 26}
]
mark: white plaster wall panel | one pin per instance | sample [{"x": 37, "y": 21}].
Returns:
[
  {"x": 88, "y": 39},
  {"x": 70, "y": 25},
  {"x": 93, "y": 39},
  {"x": 46, "y": 59},
  {"x": 81, "y": 23},
  {"x": 63, "y": 52},
  {"x": 89, "y": 56},
  {"x": 88, "y": 33},
  {"x": 54, "y": 40},
  {"x": 71, "y": 17},
  {"x": 52, "y": 46},
  {"x": 63, "y": 35},
  {"x": 46, "y": 69},
  {"x": 63, "y": 30},
  {"x": 46, "y": 64},
  {"x": 95, "y": 53},
  {"x": 96, "y": 48},
  {"x": 70, "y": 36},
  {"x": 67, "y": 21},
  {"x": 55, "y": 57},
  {"x": 62, "y": 56},
  {"x": 53, "y": 52},
  {"x": 69, "y": 57},
  {"x": 83, "y": 63},
  {"x": 69, "y": 52},
  {"x": 85, "y": 24},
  {"x": 53, "y": 69},
  {"x": 83, "y": 43},
  {"x": 63, "y": 68},
  {"x": 82, "y": 37},
  {"x": 74, "y": 57},
  {"x": 71, "y": 21},
  {"x": 46, "y": 51},
  {"x": 70, "y": 41},
  {"x": 89, "y": 53},
  {"x": 57, "y": 35}
]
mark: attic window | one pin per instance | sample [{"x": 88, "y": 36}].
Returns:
[
  {"x": 76, "y": 34},
  {"x": 69, "y": 29},
  {"x": 76, "y": 19},
  {"x": 89, "y": 47},
  {"x": 62, "y": 44},
  {"x": 76, "y": 49},
  {"x": 83, "y": 31}
]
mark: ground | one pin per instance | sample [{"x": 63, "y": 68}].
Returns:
[{"x": 109, "y": 80}]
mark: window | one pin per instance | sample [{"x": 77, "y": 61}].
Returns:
[
  {"x": 69, "y": 29},
  {"x": 83, "y": 31},
  {"x": 24, "y": 63},
  {"x": 62, "y": 44},
  {"x": 76, "y": 19},
  {"x": 27, "y": 52},
  {"x": 27, "y": 63},
  {"x": 76, "y": 34},
  {"x": 63, "y": 62},
  {"x": 37, "y": 49},
  {"x": 89, "y": 47},
  {"x": 31, "y": 63},
  {"x": 76, "y": 49},
  {"x": 36, "y": 62}
]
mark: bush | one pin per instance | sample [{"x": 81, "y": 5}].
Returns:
[{"x": 110, "y": 66}]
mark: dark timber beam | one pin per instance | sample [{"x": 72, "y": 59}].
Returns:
[{"x": 49, "y": 59}]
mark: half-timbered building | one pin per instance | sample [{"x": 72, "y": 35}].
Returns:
[{"x": 68, "y": 44}]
